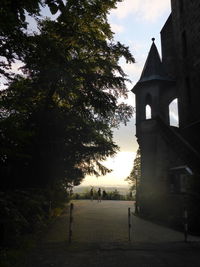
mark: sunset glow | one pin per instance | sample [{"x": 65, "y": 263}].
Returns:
[{"x": 121, "y": 164}]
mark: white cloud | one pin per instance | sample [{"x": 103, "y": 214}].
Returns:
[
  {"x": 154, "y": 9},
  {"x": 3, "y": 83},
  {"x": 116, "y": 28},
  {"x": 125, "y": 8},
  {"x": 16, "y": 67},
  {"x": 136, "y": 46},
  {"x": 148, "y": 10},
  {"x": 133, "y": 71}
]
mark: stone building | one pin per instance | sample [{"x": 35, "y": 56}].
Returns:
[{"x": 170, "y": 156}]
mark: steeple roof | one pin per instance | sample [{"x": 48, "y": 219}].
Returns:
[{"x": 153, "y": 68}]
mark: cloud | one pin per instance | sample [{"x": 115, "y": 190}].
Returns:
[
  {"x": 148, "y": 10},
  {"x": 16, "y": 67},
  {"x": 3, "y": 83},
  {"x": 133, "y": 71},
  {"x": 116, "y": 28},
  {"x": 154, "y": 9},
  {"x": 125, "y": 8}
]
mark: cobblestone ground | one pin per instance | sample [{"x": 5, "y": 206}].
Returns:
[{"x": 100, "y": 238}]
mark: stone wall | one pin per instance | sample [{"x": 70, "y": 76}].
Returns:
[
  {"x": 186, "y": 27},
  {"x": 168, "y": 49}
]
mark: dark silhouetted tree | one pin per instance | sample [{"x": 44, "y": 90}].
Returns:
[{"x": 57, "y": 119}]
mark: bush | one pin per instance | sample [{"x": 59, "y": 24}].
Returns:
[
  {"x": 110, "y": 195},
  {"x": 27, "y": 211}
]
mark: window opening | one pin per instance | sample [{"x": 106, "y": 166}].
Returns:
[
  {"x": 173, "y": 113},
  {"x": 148, "y": 112}
]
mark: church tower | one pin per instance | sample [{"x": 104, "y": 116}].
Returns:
[
  {"x": 154, "y": 92},
  {"x": 170, "y": 156}
]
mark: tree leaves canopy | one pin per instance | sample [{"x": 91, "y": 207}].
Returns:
[{"x": 64, "y": 107}]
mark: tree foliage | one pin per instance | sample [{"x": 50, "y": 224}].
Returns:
[
  {"x": 57, "y": 118},
  {"x": 134, "y": 176},
  {"x": 13, "y": 28}
]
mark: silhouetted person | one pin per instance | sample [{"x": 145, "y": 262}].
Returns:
[
  {"x": 104, "y": 194},
  {"x": 91, "y": 194},
  {"x": 99, "y": 195}
]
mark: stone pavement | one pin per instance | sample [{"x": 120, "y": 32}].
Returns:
[{"x": 100, "y": 238}]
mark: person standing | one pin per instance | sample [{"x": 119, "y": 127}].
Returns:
[
  {"x": 99, "y": 195},
  {"x": 91, "y": 194}
]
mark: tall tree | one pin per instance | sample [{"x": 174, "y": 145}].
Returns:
[{"x": 67, "y": 103}]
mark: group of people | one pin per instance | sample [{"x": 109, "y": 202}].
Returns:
[{"x": 99, "y": 194}]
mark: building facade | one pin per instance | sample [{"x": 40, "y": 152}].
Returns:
[{"x": 170, "y": 156}]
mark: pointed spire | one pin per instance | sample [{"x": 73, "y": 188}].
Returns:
[{"x": 153, "y": 69}]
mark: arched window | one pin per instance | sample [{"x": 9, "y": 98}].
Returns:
[
  {"x": 173, "y": 113},
  {"x": 148, "y": 112},
  {"x": 148, "y": 103}
]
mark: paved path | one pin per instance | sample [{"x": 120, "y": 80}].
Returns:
[
  {"x": 102, "y": 222},
  {"x": 108, "y": 222},
  {"x": 100, "y": 238}
]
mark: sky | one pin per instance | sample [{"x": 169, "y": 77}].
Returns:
[{"x": 134, "y": 23}]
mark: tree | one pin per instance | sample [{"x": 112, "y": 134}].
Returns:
[
  {"x": 13, "y": 28},
  {"x": 67, "y": 102},
  {"x": 134, "y": 177}
]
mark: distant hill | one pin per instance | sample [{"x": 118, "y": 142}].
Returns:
[{"x": 123, "y": 190}]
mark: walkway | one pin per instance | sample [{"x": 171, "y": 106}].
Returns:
[{"x": 100, "y": 238}]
